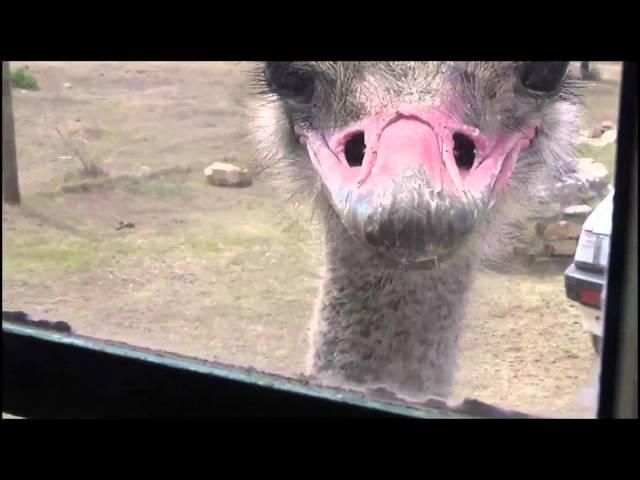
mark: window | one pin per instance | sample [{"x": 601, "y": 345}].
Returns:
[{"x": 144, "y": 223}]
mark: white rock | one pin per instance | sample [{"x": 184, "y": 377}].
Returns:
[
  {"x": 610, "y": 136},
  {"x": 66, "y": 85},
  {"x": 593, "y": 175},
  {"x": 573, "y": 190},
  {"x": 577, "y": 210},
  {"x": 582, "y": 161},
  {"x": 227, "y": 175}
]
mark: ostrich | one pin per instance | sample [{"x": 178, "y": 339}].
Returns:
[{"x": 420, "y": 170}]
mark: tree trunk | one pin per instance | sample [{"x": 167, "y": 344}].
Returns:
[{"x": 10, "y": 186}]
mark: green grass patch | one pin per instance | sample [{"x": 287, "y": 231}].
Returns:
[
  {"x": 28, "y": 255},
  {"x": 158, "y": 188},
  {"x": 24, "y": 79}
]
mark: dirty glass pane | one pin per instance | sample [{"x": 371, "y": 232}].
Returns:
[{"x": 147, "y": 217}]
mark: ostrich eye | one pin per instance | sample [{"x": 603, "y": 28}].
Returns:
[
  {"x": 289, "y": 81},
  {"x": 543, "y": 77}
]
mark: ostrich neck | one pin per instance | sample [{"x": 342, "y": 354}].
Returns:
[{"x": 378, "y": 326}]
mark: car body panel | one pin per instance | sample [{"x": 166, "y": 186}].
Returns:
[{"x": 585, "y": 279}]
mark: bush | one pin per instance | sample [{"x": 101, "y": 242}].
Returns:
[{"x": 23, "y": 78}]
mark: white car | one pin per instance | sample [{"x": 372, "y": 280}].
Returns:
[{"x": 585, "y": 279}]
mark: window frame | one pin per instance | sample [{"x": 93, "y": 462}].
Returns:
[{"x": 618, "y": 396}]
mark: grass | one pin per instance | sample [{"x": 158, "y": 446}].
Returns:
[
  {"x": 24, "y": 79},
  {"x": 158, "y": 189},
  {"x": 61, "y": 244},
  {"x": 39, "y": 255},
  {"x": 601, "y": 102},
  {"x": 167, "y": 187}
]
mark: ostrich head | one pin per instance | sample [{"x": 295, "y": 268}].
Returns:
[{"x": 415, "y": 158}]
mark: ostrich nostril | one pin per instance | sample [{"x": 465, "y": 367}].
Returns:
[
  {"x": 354, "y": 150},
  {"x": 464, "y": 151}
]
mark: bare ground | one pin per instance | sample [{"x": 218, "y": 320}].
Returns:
[{"x": 218, "y": 273}]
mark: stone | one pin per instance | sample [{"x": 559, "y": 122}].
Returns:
[
  {"x": 227, "y": 175},
  {"x": 571, "y": 191},
  {"x": 561, "y": 248},
  {"x": 584, "y": 161},
  {"x": 551, "y": 213},
  {"x": 562, "y": 230},
  {"x": 610, "y": 136},
  {"x": 577, "y": 211},
  {"x": 66, "y": 85},
  {"x": 593, "y": 175}
]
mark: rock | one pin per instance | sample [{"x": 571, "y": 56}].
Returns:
[
  {"x": 558, "y": 223},
  {"x": 550, "y": 214},
  {"x": 584, "y": 161},
  {"x": 561, "y": 248},
  {"x": 542, "y": 225},
  {"x": 577, "y": 211},
  {"x": 227, "y": 175},
  {"x": 593, "y": 175},
  {"x": 573, "y": 190},
  {"x": 607, "y": 125},
  {"x": 562, "y": 230},
  {"x": 66, "y": 85},
  {"x": 610, "y": 136}
]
